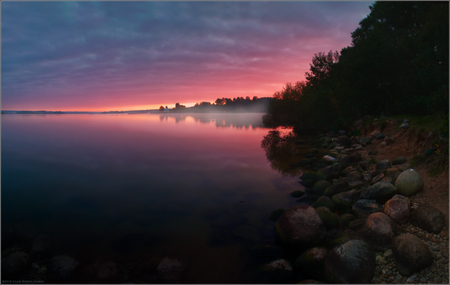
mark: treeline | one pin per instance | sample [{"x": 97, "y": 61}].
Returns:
[
  {"x": 238, "y": 104},
  {"x": 397, "y": 65}
]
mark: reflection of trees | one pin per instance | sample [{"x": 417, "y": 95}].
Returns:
[
  {"x": 230, "y": 120},
  {"x": 279, "y": 151}
]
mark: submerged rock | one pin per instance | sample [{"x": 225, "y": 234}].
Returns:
[
  {"x": 310, "y": 262},
  {"x": 300, "y": 227}
]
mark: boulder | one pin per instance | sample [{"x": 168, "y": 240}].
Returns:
[
  {"x": 328, "y": 158},
  {"x": 351, "y": 262},
  {"x": 338, "y": 187},
  {"x": 383, "y": 144},
  {"x": 378, "y": 178},
  {"x": 409, "y": 183},
  {"x": 15, "y": 265},
  {"x": 349, "y": 160},
  {"x": 300, "y": 227},
  {"x": 61, "y": 268},
  {"x": 324, "y": 201},
  {"x": 380, "y": 136},
  {"x": 276, "y": 214},
  {"x": 364, "y": 207},
  {"x": 383, "y": 164},
  {"x": 276, "y": 272},
  {"x": 428, "y": 218},
  {"x": 398, "y": 209},
  {"x": 344, "y": 141},
  {"x": 329, "y": 172},
  {"x": 320, "y": 187},
  {"x": 355, "y": 179},
  {"x": 380, "y": 232},
  {"x": 310, "y": 262},
  {"x": 347, "y": 170},
  {"x": 380, "y": 191},
  {"x": 365, "y": 141},
  {"x": 405, "y": 166},
  {"x": 399, "y": 160},
  {"x": 346, "y": 236},
  {"x": 170, "y": 271},
  {"x": 345, "y": 200},
  {"x": 108, "y": 272},
  {"x": 328, "y": 218},
  {"x": 392, "y": 173},
  {"x": 346, "y": 219},
  {"x": 374, "y": 133},
  {"x": 308, "y": 179},
  {"x": 410, "y": 254},
  {"x": 404, "y": 125}
]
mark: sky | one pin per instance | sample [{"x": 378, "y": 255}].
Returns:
[{"x": 106, "y": 56}]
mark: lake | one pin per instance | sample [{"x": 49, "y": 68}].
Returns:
[{"x": 129, "y": 188}]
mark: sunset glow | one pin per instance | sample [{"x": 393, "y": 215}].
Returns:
[{"x": 102, "y": 56}]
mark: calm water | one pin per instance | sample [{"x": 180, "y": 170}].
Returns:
[{"x": 131, "y": 187}]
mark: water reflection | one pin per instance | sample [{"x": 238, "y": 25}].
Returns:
[
  {"x": 227, "y": 120},
  {"x": 281, "y": 151}
]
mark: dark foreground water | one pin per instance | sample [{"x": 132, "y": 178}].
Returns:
[{"x": 128, "y": 188}]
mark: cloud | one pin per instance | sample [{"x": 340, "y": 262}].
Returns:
[{"x": 89, "y": 52}]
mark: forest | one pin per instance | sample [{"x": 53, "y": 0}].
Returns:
[{"x": 397, "y": 64}]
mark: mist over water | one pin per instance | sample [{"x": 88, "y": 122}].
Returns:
[{"x": 133, "y": 187}]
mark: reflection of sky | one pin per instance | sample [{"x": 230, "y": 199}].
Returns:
[{"x": 98, "y": 56}]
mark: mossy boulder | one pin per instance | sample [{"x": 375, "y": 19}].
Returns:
[
  {"x": 346, "y": 219},
  {"x": 329, "y": 219},
  {"x": 320, "y": 187},
  {"x": 399, "y": 160},
  {"x": 329, "y": 172},
  {"x": 310, "y": 262},
  {"x": 324, "y": 201},
  {"x": 338, "y": 187},
  {"x": 345, "y": 200}
]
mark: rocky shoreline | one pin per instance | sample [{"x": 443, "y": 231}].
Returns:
[{"x": 368, "y": 224}]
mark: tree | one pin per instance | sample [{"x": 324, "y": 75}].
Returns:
[{"x": 161, "y": 108}]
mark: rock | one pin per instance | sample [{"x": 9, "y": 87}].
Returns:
[
  {"x": 275, "y": 214},
  {"x": 346, "y": 236},
  {"x": 355, "y": 179},
  {"x": 383, "y": 164},
  {"x": 41, "y": 246},
  {"x": 380, "y": 136},
  {"x": 392, "y": 173},
  {"x": 300, "y": 227},
  {"x": 351, "y": 262},
  {"x": 380, "y": 191},
  {"x": 349, "y": 160},
  {"x": 297, "y": 194},
  {"x": 339, "y": 187},
  {"x": 357, "y": 146},
  {"x": 108, "y": 272},
  {"x": 329, "y": 158},
  {"x": 398, "y": 209},
  {"x": 374, "y": 133},
  {"x": 310, "y": 262},
  {"x": 170, "y": 271},
  {"x": 404, "y": 125},
  {"x": 348, "y": 170},
  {"x": 379, "y": 232},
  {"x": 404, "y": 167},
  {"x": 364, "y": 207},
  {"x": 409, "y": 183},
  {"x": 383, "y": 144},
  {"x": 307, "y": 179},
  {"x": 428, "y": 218},
  {"x": 365, "y": 141},
  {"x": 399, "y": 160},
  {"x": 388, "y": 140},
  {"x": 325, "y": 202},
  {"x": 341, "y": 132},
  {"x": 61, "y": 268},
  {"x": 320, "y": 187},
  {"x": 276, "y": 272},
  {"x": 329, "y": 172},
  {"x": 344, "y": 141},
  {"x": 378, "y": 178},
  {"x": 307, "y": 183},
  {"x": 329, "y": 219},
  {"x": 346, "y": 199},
  {"x": 346, "y": 219},
  {"x": 15, "y": 265},
  {"x": 410, "y": 254}
]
